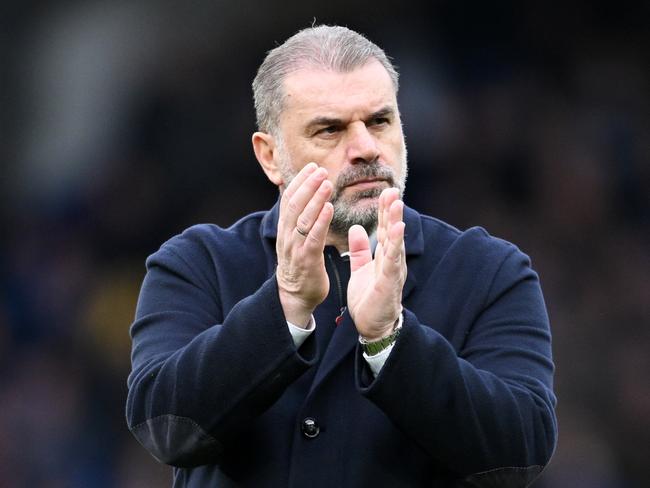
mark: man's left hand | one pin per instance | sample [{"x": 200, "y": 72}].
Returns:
[{"x": 375, "y": 287}]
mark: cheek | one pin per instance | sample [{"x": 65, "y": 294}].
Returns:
[
  {"x": 394, "y": 148},
  {"x": 332, "y": 159},
  {"x": 325, "y": 155}
]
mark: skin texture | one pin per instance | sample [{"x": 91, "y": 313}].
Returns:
[{"x": 335, "y": 128}]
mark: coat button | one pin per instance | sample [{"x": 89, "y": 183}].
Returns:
[{"x": 310, "y": 428}]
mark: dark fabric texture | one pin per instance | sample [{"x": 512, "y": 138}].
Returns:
[{"x": 219, "y": 390}]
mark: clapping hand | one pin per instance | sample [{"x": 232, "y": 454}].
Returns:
[
  {"x": 375, "y": 287},
  {"x": 305, "y": 216}
]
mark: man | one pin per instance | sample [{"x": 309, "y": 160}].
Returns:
[{"x": 340, "y": 339}]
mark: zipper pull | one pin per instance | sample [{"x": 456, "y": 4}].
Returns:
[{"x": 339, "y": 319}]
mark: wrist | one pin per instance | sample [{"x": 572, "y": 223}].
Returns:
[
  {"x": 372, "y": 347},
  {"x": 295, "y": 311},
  {"x": 373, "y": 333}
]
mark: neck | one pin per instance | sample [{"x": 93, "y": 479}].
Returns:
[{"x": 338, "y": 241}]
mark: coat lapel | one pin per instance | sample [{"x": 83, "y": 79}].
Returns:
[
  {"x": 343, "y": 342},
  {"x": 345, "y": 336}
]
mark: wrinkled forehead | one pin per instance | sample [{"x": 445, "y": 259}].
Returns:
[{"x": 315, "y": 91}]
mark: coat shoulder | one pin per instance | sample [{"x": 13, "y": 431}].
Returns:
[
  {"x": 473, "y": 244},
  {"x": 203, "y": 240}
]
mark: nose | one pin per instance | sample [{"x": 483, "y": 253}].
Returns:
[{"x": 361, "y": 144}]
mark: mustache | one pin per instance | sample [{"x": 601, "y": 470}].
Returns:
[{"x": 364, "y": 171}]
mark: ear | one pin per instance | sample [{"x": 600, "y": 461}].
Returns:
[{"x": 264, "y": 147}]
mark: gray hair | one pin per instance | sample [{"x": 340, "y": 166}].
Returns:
[{"x": 328, "y": 47}]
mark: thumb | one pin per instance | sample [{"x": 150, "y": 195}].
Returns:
[{"x": 359, "y": 246}]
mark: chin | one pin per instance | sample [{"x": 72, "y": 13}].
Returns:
[{"x": 362, "y": 212}]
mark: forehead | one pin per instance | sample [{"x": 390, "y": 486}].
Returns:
[{"x": 312, "y": 92}]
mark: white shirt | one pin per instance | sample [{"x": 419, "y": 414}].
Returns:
[{"x": 375, "y": 362}]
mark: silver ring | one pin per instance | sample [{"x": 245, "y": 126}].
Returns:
[{"x": 301, "y": 232}]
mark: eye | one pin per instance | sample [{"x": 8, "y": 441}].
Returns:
[
  {"x": 379, "y": 121},
  {"x": 329, "y": 130}
]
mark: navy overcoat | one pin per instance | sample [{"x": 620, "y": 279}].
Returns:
[{"x": 219, "y": 391}]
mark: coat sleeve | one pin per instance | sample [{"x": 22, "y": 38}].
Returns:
[
  {"x": 483, "y": 407},
  {"x": 197, "y": 374}
]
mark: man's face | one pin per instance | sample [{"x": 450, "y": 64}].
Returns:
[{"x": 349, "y": 124}]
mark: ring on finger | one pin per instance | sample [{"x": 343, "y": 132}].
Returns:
[{"x": 301, "y": 232}]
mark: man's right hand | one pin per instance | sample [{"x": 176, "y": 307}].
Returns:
[{"x": 305, "y": 216}]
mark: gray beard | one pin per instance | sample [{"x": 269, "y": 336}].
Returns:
[
  {"x": 347, "y": 210},
  {"x": 346, "y": 215}
]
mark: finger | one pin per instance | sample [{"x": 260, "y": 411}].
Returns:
[
  {"x": 359, "y": 246},
  {"x": 287, "y": 193},
  {"x": 302, "y": 195},
  {"x": 381, "y": 218},
  {"x": 394, "y": 248},
  {"x": 299, "y": 179},
  {"x": 313, "y": 208},
  {"x": 392, "y": 195},
  {"x": 395, "y": 214},
  {"x": 315, "y": 240},
  {"x": 393, "y": 258},
  {"x": 387, "y": 197}
]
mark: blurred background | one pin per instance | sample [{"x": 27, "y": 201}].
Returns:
[{"x": 123, "y": 122}]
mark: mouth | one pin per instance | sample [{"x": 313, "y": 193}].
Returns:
[{"x": 367, "y": 184}]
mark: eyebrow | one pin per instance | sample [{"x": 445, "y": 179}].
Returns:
[
  {"x": 322, "y": 122},
  {"x": 383, "y": 112}
]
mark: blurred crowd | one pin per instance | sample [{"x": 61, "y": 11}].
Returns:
[{"x": 125, "y": 122}]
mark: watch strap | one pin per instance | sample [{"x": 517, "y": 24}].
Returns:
[{"x": 372, "y": 348}]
